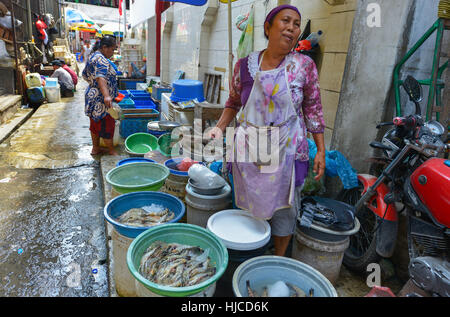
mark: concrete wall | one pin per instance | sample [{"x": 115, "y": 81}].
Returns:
[
  {"x": 366, "y": 93},
  {"x": 371, "y": 58},
  {"x": 335, "y": 19}
]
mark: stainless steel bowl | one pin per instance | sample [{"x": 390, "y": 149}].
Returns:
[{"x": 208, "y": 191}]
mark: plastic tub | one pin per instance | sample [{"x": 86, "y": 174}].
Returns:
[
  {"x": 164, "y": 144},
  {"x": 53, "y": 94},
  {"x": 120, "y": 204},
  {"x": 135, "y": 177},
  {"x": 239, "y": 230},
  {"x": 187, "y": 89},
  {"x": 126, "y": 103},
  {"x": 141, "y": 143},
  {"x": 134, "y": 160},
  {"x": 264, "y": 270},
  {"x": 51, "y": 82},
  {"x": 144, "y": 104},
  {"x": 201, "y": 207},
  {"x": 177, "y": 233}
]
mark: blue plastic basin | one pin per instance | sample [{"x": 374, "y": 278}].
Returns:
[
  {"x": 171, "y": 164},
  {"x": 187, "y": 89},
  {"x": 119, "y": 205},
  {"x": 134, "y": 160},
  {"x": 264, "y": 270}
]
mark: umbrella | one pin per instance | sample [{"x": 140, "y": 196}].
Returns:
[
  {"x": 111, "y": 29},
  {"x": 75, "y": 16},
  {"x": 85, "y": 27}
]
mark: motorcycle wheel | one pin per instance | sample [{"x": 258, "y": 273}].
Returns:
[{"x": 362, "y": 248}]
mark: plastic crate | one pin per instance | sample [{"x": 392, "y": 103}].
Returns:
[
  {"x": 126, "y": 103},
  {"x": 141, "y": 97},
  {"x": 138, "y": 92},
  {"x": 129, "y": 126},
  {"x": 145, "y": 104},
  {"x": 129, "y": 83}
]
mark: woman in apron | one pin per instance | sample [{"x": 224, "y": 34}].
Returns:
[{"x": 276, "y": 93}]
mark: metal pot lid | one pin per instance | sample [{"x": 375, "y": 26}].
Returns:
[
  {"x": 154, "y": 126},
  {"x": 239, "y": 230},
  {"x": 168, "y": 125}
]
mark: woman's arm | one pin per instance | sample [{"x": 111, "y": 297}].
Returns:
[
  {"x": 319, "y": 160},
  {"x": 102, "y": 84},
  {"x": 313, "y": 113}
]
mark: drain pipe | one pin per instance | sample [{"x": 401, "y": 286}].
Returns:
[
  {"x": 158, "y": 10},
  {"x": 30, "y": 21}
]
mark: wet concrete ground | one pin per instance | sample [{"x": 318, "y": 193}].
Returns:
[{"x": 52, "y": 232}]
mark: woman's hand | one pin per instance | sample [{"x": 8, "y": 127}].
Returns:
[
  {"x": 214, "y": 133},
  {"x": 319, "y": 165},
  {"x": 108, "y": 101}
]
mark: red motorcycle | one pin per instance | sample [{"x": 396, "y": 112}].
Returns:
[{"x": 418, "y": 181}]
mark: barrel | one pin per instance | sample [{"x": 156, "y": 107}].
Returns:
[
  {"x": 200, "y": 207},
  {"x": 323, "y": 255}
]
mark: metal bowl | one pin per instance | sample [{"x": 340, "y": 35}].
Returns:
[
  {"x": 168, "y": 125},
  {"x": 208, "y": 191}
]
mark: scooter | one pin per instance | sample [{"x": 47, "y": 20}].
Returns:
[{"x": 415, "y": 180}]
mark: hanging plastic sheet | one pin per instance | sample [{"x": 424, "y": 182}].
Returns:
[
  {"x": 245, "y": 45},
  {"x": 336, "y": 165}
]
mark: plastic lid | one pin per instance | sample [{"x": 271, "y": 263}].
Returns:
[{"x": 239, "y": 230}]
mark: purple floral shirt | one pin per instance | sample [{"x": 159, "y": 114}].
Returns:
[{"x": 303, "y": 83}]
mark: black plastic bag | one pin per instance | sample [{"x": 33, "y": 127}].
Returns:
[{"x": 327, "y": 213}]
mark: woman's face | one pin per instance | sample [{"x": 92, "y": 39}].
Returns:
[
  {"x": 108, "y": 52},
  {"x": 285, "y": 29}
]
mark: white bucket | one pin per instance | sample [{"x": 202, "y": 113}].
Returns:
[
  {"x": 199, "y": 208},
  {"x": 142, "y": 291},
  {"x": 123, "y": 279},
  {"x": 53, "y": 94}
]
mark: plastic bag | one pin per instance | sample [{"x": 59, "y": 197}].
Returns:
[
  {"x": 245, "y": 45},
  {"x": 204, "y": 177},
  {"x": 336, "y": 165},
  {"x": 186, "y": 164},
  {"x": 3, "y": 52},
  {"x": 114, "y": 111}
]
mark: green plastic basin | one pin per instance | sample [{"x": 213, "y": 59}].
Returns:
[
  {"x": 178, "y": 233},
  {"x": 135, "y": 177},
  {"x": 141, "y": 143},
  {"x": 164, "y": 144}
]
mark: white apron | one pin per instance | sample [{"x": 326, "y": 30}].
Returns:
[{"x": 263, "y": 187}]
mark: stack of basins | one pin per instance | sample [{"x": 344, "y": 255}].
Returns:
[
  {"x": 138, "y": 110},
  {"x": 137, "y": 181}
]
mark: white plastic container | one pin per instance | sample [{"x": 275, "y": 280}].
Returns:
[
  {"x": 124, "y": 281},
  {"x": 199, "y": 208},
  {"x": 51, "y": 82},
  {"x": 239, "y": 230},
  {"x": 53, "y": 94}
]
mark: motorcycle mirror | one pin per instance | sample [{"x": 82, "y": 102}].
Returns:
[{"x": 413, "y": 88}]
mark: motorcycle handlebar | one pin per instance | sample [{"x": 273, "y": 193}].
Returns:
[{"x": 410, "y": 121}]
